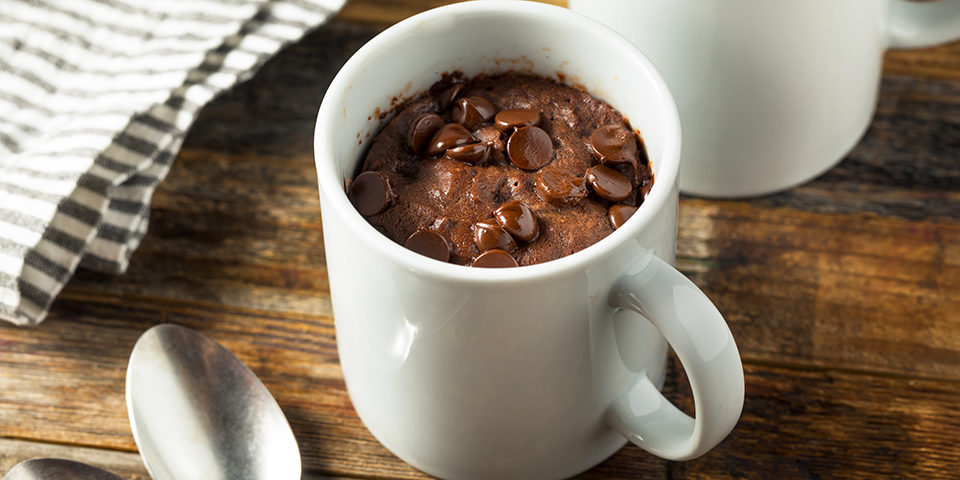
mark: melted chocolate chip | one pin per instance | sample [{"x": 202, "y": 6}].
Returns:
[
  {"x": 608, "y": 183},
  {"x": 476, "y": 154},
  {"x": 488, "y": 235},
  {"x": 614, "y": 144},
  {"x": 422, "y": 130},
  {"x": 446, "y": 97},
  {"x": 620, "y": 213},
  {"x": 561, "y": 187},
  {"x": 530, "y": 148},
  {"x": 518, "y": 219},
  {"x": 645, "y": 190},
  {"x": 495, "y": 259},
  {"x": 449, "y": 136},
  {"x": 516, "y": 118},
  {"x": 429, "y": 244},
  {"x": 472, "y": 111},
  {"x": 371, "y": 193}
]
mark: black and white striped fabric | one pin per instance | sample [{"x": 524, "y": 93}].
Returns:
[{"x": 95, "y": 100}]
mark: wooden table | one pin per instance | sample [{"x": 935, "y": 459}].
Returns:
[{"x": 843, "y": 294}]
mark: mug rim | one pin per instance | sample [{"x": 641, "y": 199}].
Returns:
[{"x": 333, "y": 192}]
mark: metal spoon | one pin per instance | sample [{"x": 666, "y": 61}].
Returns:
[
  {"x": 57, "y": 469},
  {"x": 197, "y": 412}
]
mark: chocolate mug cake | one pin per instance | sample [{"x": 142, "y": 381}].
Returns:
[{"x": 502, "y": 171}]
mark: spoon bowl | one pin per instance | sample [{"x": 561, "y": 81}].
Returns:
[
  {"x": 57, "y": 469},
  {"x": 198, "y": 413}
]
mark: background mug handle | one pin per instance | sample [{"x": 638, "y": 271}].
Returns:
[
  {"x": 923, "y": 24},
  {"x": 699, "y": 335}
]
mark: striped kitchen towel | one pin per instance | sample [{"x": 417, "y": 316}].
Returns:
[{"x": 95, "y": 99}]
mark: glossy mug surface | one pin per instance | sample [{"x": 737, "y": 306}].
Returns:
[
  {"x": 771, "y": 93},
  {"x": 536, "y": 372}
]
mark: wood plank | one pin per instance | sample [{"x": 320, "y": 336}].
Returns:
[
  {"x": 388, "y": 12},
  {"x": 857, "y": 269},
  {"x": 218, "y": 236},
  {"x": 67, "y": 378},
  {"x": 847, "y": 291},
  {"x": 64, "y": 382},
  {"x": 830, "y": 424},
  {"x": 124, "y": 464},
  {"x": 801, "y": 423},
  {"x": 904, "y": 165},
  {"x": 936, "y": 62}
]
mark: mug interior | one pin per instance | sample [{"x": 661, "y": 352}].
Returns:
[{"x": 491, "y": 37}]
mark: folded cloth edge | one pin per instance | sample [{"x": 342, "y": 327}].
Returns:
[{"x": 47, "y": 265}]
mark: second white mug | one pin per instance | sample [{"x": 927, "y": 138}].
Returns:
[{"x": 771, "y": 93}]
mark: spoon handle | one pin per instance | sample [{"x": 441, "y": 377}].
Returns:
[{"x": 57, "y": 469}]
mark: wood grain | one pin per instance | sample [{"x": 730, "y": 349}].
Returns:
[
  {"x": 830, "y": 424},
  {"x": 855, "y": 292},
  {"x": 798, "y": 422},
  {"x": 937, "y": 62},
  {"x": 843, "y": 294},
  {"x": 388, "y": 12},
  {"x": 126, "y": 465}
]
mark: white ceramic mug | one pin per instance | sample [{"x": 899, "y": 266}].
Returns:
[
  {"x": 771, "y": 93},
  {"x": 536, "y": 372}
]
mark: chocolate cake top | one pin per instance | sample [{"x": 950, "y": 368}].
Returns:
[{"x": 502, "y": 171}]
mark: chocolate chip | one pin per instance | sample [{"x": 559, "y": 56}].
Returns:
[
  {"x": 530, "y": 148},
  {"x": 495, "y": 259},
  {"x": 450, "y": 94},
  {"x": 620, "y": 213},
  {"x": 371, "y": 193},
  {"x": 449, "y": 136},
  {"x": 516, "y": 118},
  {"x": 518, "y": 219},
  {"x": 561, "y": 187},
  {"x": 429, "y": 244},
  {"x": 614, "y": 144},
  {"x": 472, "y": 111},
  {"x": 476, "y": 154},
  {"x": 608, "y": 183},
  {"x": 422, "y": 130},
  {"x": 489, "y": 235}
]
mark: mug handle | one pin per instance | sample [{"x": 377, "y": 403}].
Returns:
[
  {"x": 701, "y": 339},
  {"x": 923, "y": 24}
]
